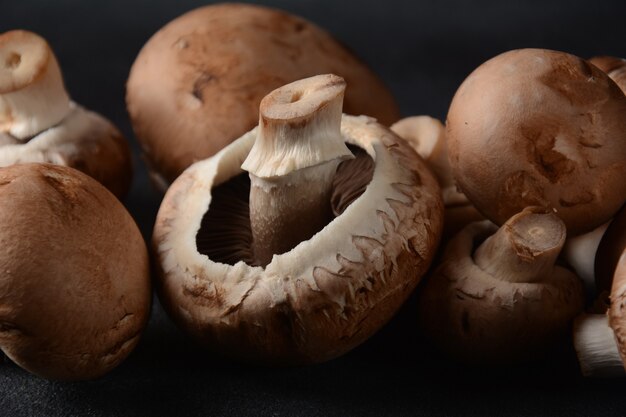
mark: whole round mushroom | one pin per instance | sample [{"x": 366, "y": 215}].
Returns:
[
  {"x": 534, "y": 127},
  {"x": 427, "y": 135},
  {"x": 498, "y": 296},
  {"x": 39, "y": 122},
  {"x": 197, "y": 83},
  {"x": 75, "y": 287},
  {"x": 314, "y": 248}
]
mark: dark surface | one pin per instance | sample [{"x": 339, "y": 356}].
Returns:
[{"x": 423, "y": 50}]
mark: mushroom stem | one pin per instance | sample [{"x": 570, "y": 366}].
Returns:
[
  {"x": 292, "y": 163},
  {"x": 596, "y": 347},
  {"x": 525, "y": 248},
  {"x": 32, "y": 94}
]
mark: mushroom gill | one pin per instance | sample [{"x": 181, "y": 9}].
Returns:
[{"x": 225, "y": 233}]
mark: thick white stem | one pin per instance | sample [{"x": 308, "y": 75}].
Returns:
[
  {"x": 292, "y": 163},
  {"x": 525, "y": 248},
  {"x": 32, "y": 94},
  {"x": 596, "y": 347}
]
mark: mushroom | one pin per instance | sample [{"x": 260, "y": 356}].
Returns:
[
  {"x": 313, "y": 250},
  {"x": 614, "y": 67},
  {"x": 75, "y": 286},
  {"x": 600, "y": 339},
  {"x": 427, "y": 136},
  {"x": 534, "y": 127},
  {"x": 580, "y": 253},
  {"x": 498, "y": 296},
  {"x": 39, "y": 123},
  {"x": 197, "y": 83}
]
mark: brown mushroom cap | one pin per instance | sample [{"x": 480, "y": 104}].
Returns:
[
  {"x": 75, "y": 287},
  {"x": 197, "y": 84},
  {"x": 614, "y": 67},
  {"x": 327, "y": 294},
  {"x": 501, "y": 302},
  {"x": 543, "y": 128}
]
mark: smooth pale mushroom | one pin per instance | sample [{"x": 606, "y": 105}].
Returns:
[
  {"x": 427, "y": 135},
  {"x": 75, "y": 286},
  {"x": 498, "y": 295},
  {"x": 580, "y": 253},
  {"x": 614, "y": 67},
  {"x": 197, "y": 83},
  {"x": 534, "y": 127},
  {"x": 600, "y": 339},
  {"x": 39, "y": 122},
  {"x": 310, "y": 252}
]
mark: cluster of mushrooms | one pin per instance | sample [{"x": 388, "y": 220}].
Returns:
[{"x": 291, "y": 233}]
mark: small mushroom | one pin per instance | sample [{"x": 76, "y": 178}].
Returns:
[
  {"x": 310, "y": 252},
  {"x": 534, "y": 127},
  {"x": 427, "y": 135},
  {"x": 498, "y": 296},
  {"x": 614, "y": 67},
  {"x": 197, "y": 83},
  {"x": 600, "y": 339},
  {"x": 39, "y": 123},
  {"x": 75, "y": 286}
]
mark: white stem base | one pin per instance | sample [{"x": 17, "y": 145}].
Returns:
[{"x": 596, "y": 347}]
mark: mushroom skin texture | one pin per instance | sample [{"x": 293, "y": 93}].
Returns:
[
  {"x": 614, "y": 67},
  {"x": 197, "y": 83},
  {"x": 535, "y": 127},
  {"x": 39, "y": 122},
  {"x": 75, "y": 289},
  {"x": 327, "y": 294},
  {"x": 497, "y": 297},
  {"x": 427, "y": 135}
]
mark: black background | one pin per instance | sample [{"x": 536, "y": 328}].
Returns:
[{"x": 423, "y": 50}]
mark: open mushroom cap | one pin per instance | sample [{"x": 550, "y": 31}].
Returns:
[
  {"x": 328, "y": 293},
  {"x": 500, "y": 301},
  {"x": 534, "y": 127},
  {"x": 75, "y": 289},
  {"x": 197, "y": 83}
]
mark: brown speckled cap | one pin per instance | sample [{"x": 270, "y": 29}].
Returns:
[
  {"x": 75, "y": 285},
  {"x": 543, "y": 128},
  {"x": 197, "y": 84}
]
